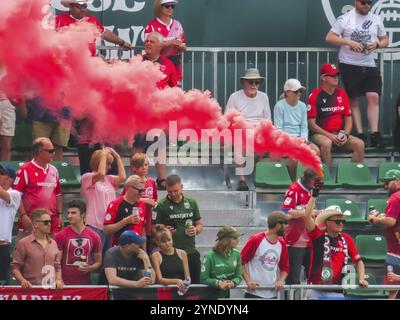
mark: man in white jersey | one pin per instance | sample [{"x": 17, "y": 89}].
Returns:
[
  {"x": 359, "y": 33},
  {"x": 265, "y": 258},
  {"x": 252, "y": 104}
]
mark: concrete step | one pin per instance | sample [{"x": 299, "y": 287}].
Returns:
[
  {"x": 209, "y": 234},
  {"x": 233, "y": 217}
]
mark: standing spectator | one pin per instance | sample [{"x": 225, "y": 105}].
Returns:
[
  {"x": 152, "y": 48},
  {"x": 78, "y": 13},
  {"x": 252, "y": 104},
  {"x": 140, "y": 167},
  {"x": 125, "y": 264},
  {"x": 396, "y": 132},
  {"x": 390, "y": 220},
  {"x": 35, "y": 259},
  {"x": 7, "y": 119},
  {"x": 265, "y": 258},
  {"x": 222, "y": 267},
  {"x": 332, "y": 251},
  {"x": 174, "y": 38},
  {"x": 39, "y": 184},
  {"x": 290, "y": 115},
  {"x": 100, "y": 188},
  {"x": 359, "y": 33},
  {"x": 296, "y": 237},
  {"x": 182, "y": 217},
  {"x": 79, "y": 247},
  {"x": 127, "y": 212},
  {"x": 170, "y": 264},
  {"x": 329, "y": 118},
  {"x": 9, "y": 203}
]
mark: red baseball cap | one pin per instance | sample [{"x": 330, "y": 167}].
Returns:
[{"x": 329, "y": 69}]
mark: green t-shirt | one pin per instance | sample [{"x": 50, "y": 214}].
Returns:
[
  {"x": 174, "y": 214},
  {"x": 219, "y": 267}
]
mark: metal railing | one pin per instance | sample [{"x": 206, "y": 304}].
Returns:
[{"x": 219, "y": 70}]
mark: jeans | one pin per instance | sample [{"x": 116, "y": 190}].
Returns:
[
  {"x": 5, "y": 261},
  {"x": 105, "y": 240}
]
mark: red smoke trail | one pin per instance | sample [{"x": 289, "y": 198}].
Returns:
[{"x": 121, "y": 97}]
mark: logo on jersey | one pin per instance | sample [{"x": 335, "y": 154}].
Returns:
[
  {"x": 269, "y": 260},
  {"x": 108, "y": 217},
  {"x": 388, "y": 10},
  {"x": 287, "y": 201},
  {"x": 308, "y": 107},
  {"x": 76, "y": 248}
]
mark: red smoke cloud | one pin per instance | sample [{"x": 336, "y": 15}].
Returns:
[{"x": 121, "y": 97}]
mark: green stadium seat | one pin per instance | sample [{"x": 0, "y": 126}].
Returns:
[
  {"x": 67, "y": 174},
  {"x": 13, "y": 164},
  {"x": 362, "y": 293},
  {"x": 346, "y": 204},
  {"x": 271, "y": 174},
  {"x": 355, "y": 175},
  {"x": 385, "y": 167},
  {"x": 328, "y": 181},
  {"x": 371, "y": 247},
  {"x": 379, "y": 204},
  {"x": 23, "y": 137}
]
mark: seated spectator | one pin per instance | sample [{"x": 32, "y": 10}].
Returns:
[
  {"x": 182, "y": 217},
  {"x": 396, "y": 132},
  {"x": 9, "y": 204},
  {"x": 329, "y": 118},
  {"x": 79, "y": 247},
  {"x": 170, "y": 264},
  {"x": 35, "y": 259},
  {"x": 222, "y": 267},
  {"x": 140, "y": 167},
  {"x": 252, "y": 104},
  {"x": 290, "y": 115},
  {"x": 265, "y": 258},
  {"x": 100, "y": 188},
  {"x": 127, "y": 212},
  {"x": 332, "y": 251},
  {"x": 174, "y": 37},
  {"x": 125, "y": 264}
]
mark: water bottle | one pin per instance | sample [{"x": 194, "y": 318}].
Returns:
[
  {"x": 372, "y": 210},
  {"x": 389, "y": 268},
  {"x": 148, "y": 272},
  {"x": 186, "y": 283},
  {"x": 341, "y": 134}
]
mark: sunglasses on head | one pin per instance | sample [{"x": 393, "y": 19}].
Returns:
[
  {"x": 45, "y": 222},
  {"x": 338, "y": 222},
  {"x": 169, "y": 6},
  {"x": 364, "y": 2},
  {"x": 256, "y": 82},
  {"x": 49, "y": 150}
]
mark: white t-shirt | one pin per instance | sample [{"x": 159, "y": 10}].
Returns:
[
  {"x": 361, "y": 29},
  {"x": 8, "y": 212},
  {"x": 253, "y": 109}
]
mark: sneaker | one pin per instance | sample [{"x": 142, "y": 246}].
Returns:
[
  {"x": 161, "y": 184},
  {"x": 377, "y": 140},
  {"x": 363, "y": 137},
  {"x": 242, "y": 186}
]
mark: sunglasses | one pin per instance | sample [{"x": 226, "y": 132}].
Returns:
[
  {"x": 45, "y": 222},
  {"x": 169, "y": 6},
  {"x": 81, "y": 6},
  {"x": 284, "y": 222},
  {"x": 137, "y": 189},
  {"x": 3, "y": 173},
  {"x": 49, "y": 150},
  {"x": 364, "y": 2},
  {"x": 256, "y": 82},
  {"x": 339, "y": 222}
]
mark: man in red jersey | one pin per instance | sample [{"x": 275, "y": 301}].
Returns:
[
  {"x": 333, "y": 252},
  {"x": 390, "y": 220},
  {"x": 127, "y": 212},
  {"x": 329, "y": 117},
  {"x": 38, "y": 182}
]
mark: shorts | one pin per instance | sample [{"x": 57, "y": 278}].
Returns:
[
  {"x": 58, "y": 133},
  {"x": 7, "y": 118},
  {"x": 358, "y": 80},
  {"x": 395, "y": 263}
]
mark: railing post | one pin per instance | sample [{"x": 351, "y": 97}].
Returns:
[{"x": 215, "y": 74}]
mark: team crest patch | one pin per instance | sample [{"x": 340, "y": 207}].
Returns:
[
  {"x": 108, "y": 217},
  {"x": 187, "y": 205},
  {"x": 288, "y": 201},
  {"x": 308, "y": 107}
]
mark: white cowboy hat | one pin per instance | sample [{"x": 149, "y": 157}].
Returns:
[
  {"x": 329, "y": 212},
  {"x": 66, "y": 3}
]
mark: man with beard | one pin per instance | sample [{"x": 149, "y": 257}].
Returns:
[
  {"x": 358, "y": 33},
  {"x": 265, "y": 258},
  {"x": 390, "y": 220}
]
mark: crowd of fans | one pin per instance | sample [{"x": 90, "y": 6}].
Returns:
[{"x": 134, "y": 239}]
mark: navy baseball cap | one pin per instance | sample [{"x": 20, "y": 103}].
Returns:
[
  {"x": 8, "y": 171},
  {"x": 129, "y": 237}
]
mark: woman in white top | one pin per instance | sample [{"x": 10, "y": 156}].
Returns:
[
  {"x": 290, "y": 115},
  {"x": 100, "y": 189}
]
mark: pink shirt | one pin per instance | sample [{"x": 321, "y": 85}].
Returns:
[
  {"x": 393, "y": 233},
  {"x": 98, "y": 196},
  {"x": 39, "y": 188},
  {"x": 73, "y": 246},
  {"x": 31, "y": 257}
]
